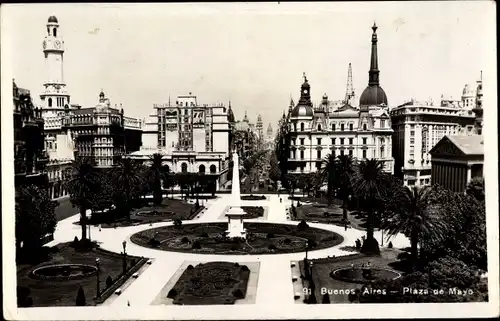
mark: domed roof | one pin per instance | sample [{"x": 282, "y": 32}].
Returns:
[
  {"x": 468, "y": 90},
  {"x": 373, "y": 96},
  {"x": 53, "y": 19},
  {"x": 302, "y": 110}
]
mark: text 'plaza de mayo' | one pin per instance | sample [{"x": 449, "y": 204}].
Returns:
[{"x": 421, "y": 142}]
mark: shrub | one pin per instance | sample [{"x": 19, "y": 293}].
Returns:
[
  {"x": 270, "y": 235},
  {"x": 190, "y": 267},
  {"x": 326, "y": 299},
  {"x": 236, "y": 264},
  {"x": 154, "y": 242},
  {"x": 80, "y": 297},
  {"x": 204, "y": 234},
  {"x": 172, "y": 293},
  {"x": 75, "y": 241},
  {"x": 302, "y": 225},
  {"x": 403, "y": 256},
  {"x": 109, "y": 281},
  {"x": 238, "y": 294},
  {"x": 272, "y": 247},
  {"x": 326, "y": 214},
  {"x": 390, "y": 245},
  {"x": 245, "y": 268},
  {"x": 178, "y": 222},
  {"x": 185, "y": 240},
  {"x": 196, "y": 245},
  {"x": 287, "y": 241}
]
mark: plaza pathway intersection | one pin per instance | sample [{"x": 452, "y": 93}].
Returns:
[{"x": 274, "y": 280}]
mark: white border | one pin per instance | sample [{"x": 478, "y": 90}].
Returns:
[{"x": 241, "y": 311}]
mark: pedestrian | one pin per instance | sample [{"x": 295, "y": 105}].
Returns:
[
  {"x": 99, "y": 227},
  {"x": 128, "y": 303},
  {"x": 281, "y": 200},
  {"x": 345, "y": 226}
]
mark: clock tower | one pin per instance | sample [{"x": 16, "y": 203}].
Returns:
[{"x": 55, "y": 97}]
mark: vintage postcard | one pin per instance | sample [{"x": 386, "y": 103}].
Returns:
[{"x": 213, "y": 161}]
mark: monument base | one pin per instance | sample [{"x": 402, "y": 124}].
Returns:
[{"x": 235, "y": 222}]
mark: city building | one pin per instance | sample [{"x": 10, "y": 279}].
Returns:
[
  {"x": 30, "y": 158},
  {"x": 419, "y": 126},
  {"x": 456, "y": 160},
  {"x": 245, "y": 138},
  {"x": 192, "y": 137},
  {"x": 101, "y": 132},
  {"x": 269, "y": 140},
  {"x": 341, "y": 129}
]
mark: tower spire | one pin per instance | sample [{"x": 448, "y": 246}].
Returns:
[
  {"x": 349, "y": 91},
  {"x": 374, "y": 72}
]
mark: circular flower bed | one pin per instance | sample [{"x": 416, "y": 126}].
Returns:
[
  {"x": 155, "y": 213},
  {"x": 262, "y": 238},
  {"x": 63, "y": 272},
  {"x": 364, "y": 275}
]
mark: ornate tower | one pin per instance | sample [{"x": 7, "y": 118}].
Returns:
[
  {"x": 349, "y": 91},
  {"x": 55, "y": 97},
  {"x": 478, "y": 110},
  {"x": 373, "y": 95},
  {"x": 260, "y": 127}
]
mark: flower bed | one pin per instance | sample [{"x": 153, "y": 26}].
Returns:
[{"x": 253, "y": 197}]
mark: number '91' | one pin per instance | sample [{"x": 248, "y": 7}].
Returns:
[{"x": 306, "y": 290}]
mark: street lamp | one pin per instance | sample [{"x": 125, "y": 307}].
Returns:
[
  {"x": 97, "y": 261},
  {"x": 307, "y": 246},
  {"x": 124, "y": 243},
  {"x": 90, "y": 239}
]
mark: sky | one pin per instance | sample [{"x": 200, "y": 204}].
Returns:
[{"x": 251, "y": 54}]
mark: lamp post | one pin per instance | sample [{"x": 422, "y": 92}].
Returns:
[
  {"x": 90, "y": 239},
  {"x": 124, "y": 243},
  {"x": 97, "y": 261},
  {"x": 307, "y": 246}
]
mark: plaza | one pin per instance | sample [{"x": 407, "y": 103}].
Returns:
[{"x": 274, "y": 284}]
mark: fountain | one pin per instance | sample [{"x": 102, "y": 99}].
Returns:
[{"x": 235, "y": 214}]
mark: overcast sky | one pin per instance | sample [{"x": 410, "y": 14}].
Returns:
[{"x": 251, "y": 54}]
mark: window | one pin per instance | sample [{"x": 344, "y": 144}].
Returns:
[
  {"x": 294, "y": 153},
  {"x": 342, "y": 127},
  {"x": 301, "y": 154},
  {"x": 341, "y": 152},
  {"x": 54, "y": 32},
  {"x": 333, "y": 141},
  {"x": 364, "y": 126},
  {"x": 50, "y": 102},
  {"x": 342, "y": 141},
  {"x": 184, "y": 167},
  {"x": 412, "y": 133},
  {"x": 202, "y": 169},
  {"x": 382, "y": 123},
  {"x": 350, "y": 141},
  {"x": 382, "y": 152},
  {"x": 364, "y": 153},
  {"x": 301, "y": 127},
  {"x": 318, "y": 141},
  {"x": 364, "y": 140},
  {"x": 294, "y": 141},
  {"x": 412, "y": 140},
  {"x": 302, "y": 141},
  {"x": 213, "y": 169},
  {"x": 333, "y": 126},
  {"x": 351, "y": 127},
  {"x": 319, "y": 127},
  {"x": 318, "y": 154},
  {"x": 295, "y": 127},
  {"x": 350, "y": 152}
]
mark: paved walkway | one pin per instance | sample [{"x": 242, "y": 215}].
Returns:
[{"x": 275, "y": 280}]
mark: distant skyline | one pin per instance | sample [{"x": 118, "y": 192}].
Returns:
[{"x": 251, "y": 54}]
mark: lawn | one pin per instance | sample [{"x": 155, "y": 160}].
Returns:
[
  {"x": 211, "y": 283},
  {"x": 262, "y": 238},
  {"x": 339, "y": 290},
  {"x": 170, "y": 209},
  {"x": 47, "y": 293},
  {"x": 319, "y": 213}
]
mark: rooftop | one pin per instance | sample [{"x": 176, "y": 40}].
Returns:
[{"x": 469, "y": 145}]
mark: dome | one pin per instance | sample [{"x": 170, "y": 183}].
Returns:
[
  {"x": 468, "y": 90},
  {"x": 373, "y": 96},
  {"x": 53, "y": 19},
  {"x": 302, "y": 110}
]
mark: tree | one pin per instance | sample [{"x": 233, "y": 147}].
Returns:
[
  {"x": 344, "y": 169},
  {"x": 128, "y": 179},
  {"x": 154, "y": 175},
  {"x": 293, "y": 183},
  {"x": 475, "y": 188},
  {"x": 80, "y": 297},
  {"x": 103, "y": 199},
  {"x": 82, "y": 186},
  {"x": 369, "y": 184},
  {"x": 416, "y": 213},
  {"x": 35, "y": 216},
  {"x": 328, "y": 172},
  {"x": 326, "y": 299}
]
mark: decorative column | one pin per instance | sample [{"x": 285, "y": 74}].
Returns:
[{"x": 469, "y": 173}]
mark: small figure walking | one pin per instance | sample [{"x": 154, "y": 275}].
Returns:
[
  {"x": 99, "y": 227},
  {"x": 345, "y": 226},
  {"x": 281, "y": 200},
  {"x": 128, "y": 303}
]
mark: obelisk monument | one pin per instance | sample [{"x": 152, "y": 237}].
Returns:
[{"x": 235, "y": 214}]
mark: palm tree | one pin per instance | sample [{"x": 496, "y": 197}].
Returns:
[
  {"x": 155, "y": 174},
  {"x": 127, "y": 176},
  {"x": 328, "y": 172},
  {"x": 369, "y": 185},
  {"x": 82, "y": 185},
  {"x": 344, "y": 168},
  {"x": 415, "y": 214}
]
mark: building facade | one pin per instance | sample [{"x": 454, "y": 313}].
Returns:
[
  {"x": 193, "y": 137},
  {"x": 419, "y": 126},
  {"x": 30, "y": 158},
  {"x": 341, "y": 129},
  {"x": 456, "y": 160}
]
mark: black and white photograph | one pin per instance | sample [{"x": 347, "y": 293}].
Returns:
[{"x": 272, "y": 160}]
